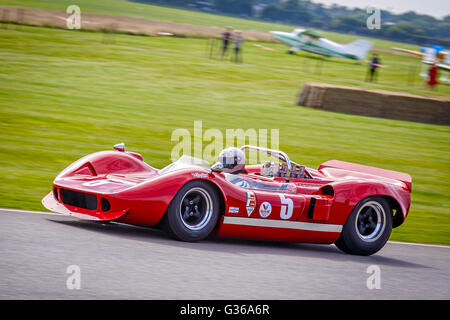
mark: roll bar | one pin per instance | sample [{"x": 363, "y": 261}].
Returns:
[{"x": 277, "y": 154}]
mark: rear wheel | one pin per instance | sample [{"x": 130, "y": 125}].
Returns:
[
  {"x": 367, "y": 228},
  {"x": 193, "y": 212}
]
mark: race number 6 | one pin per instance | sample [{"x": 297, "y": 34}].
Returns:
[{"x": 287, "y": 206}]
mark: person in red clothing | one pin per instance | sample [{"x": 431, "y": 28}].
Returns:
[{"x": 432, "y": 76}]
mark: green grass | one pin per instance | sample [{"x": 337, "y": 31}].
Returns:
[{"x": 64, "y": 94}]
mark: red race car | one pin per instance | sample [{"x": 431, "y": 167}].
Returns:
[{"x": 351, "y": 205}]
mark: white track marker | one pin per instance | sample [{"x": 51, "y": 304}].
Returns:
[
  {"x": 420, "y": 244},
  {"x": 5, "y": 210}
]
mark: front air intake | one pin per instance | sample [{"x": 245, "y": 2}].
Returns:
[
  {"x": 78, "y": 199},
  {"x": 106, "y": 206}
]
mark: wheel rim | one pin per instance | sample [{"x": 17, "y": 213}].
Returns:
[
  {"x": 196, "y": 208},
  {"x": 370, "y": 221}
]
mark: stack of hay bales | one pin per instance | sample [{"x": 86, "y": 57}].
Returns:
[{"x": 375, "y": 103}]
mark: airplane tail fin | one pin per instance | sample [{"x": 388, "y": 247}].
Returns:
[{"x": 358, "y": 48}]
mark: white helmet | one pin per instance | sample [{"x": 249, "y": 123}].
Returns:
[{"x": 232, "y": 160}]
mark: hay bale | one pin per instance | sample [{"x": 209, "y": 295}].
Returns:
[{"x": 375, "y": 103}]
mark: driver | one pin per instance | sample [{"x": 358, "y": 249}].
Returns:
[{"x": 232, "y": 160}]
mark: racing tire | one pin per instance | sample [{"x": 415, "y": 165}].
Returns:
[
  {"x": 193, "y": 213},
  {"x": 368, "y": 227}
]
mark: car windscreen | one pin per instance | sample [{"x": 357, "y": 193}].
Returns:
[{"x": 185, "y": 162}]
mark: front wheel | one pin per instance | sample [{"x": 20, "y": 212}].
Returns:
[
  {"x": 367, "y": 228},
  {"x": 193, "y": 212}
]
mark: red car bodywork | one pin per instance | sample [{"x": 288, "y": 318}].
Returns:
[{"x": 120, "y": 186}]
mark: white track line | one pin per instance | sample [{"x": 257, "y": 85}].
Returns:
[
  {"x": 420, "y": 244},
  {"x": 29, "y": 211},
  {"x": 59, "y": 214}
]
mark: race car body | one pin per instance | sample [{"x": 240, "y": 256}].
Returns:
[{"x": 352, "y": 205}]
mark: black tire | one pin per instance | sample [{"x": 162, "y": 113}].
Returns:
[
  {"x": 367, "y": 228},
  {"x": 193, "y": 213}
]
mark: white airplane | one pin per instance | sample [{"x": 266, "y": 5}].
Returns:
[
  {"x": 308, "y": 40},
  {"x": 432, "y": 55}
]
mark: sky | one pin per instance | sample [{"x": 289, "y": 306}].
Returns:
[{"x": 436, "y": 8}]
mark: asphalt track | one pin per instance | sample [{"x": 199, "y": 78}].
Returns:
[{"x": 117, "y": 261}]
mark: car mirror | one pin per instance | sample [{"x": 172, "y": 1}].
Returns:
[{"x": 120, "y": 147}]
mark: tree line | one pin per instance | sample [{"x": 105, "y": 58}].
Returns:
[{"x": 408, "y": 27}]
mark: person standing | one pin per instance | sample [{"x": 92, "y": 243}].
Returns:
[
  {"x": 226, "y": 37},
  {"x": 432, "y": 76},
  {"x": 238, "y": 39},
  {"x": 373, "y": 65}
]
